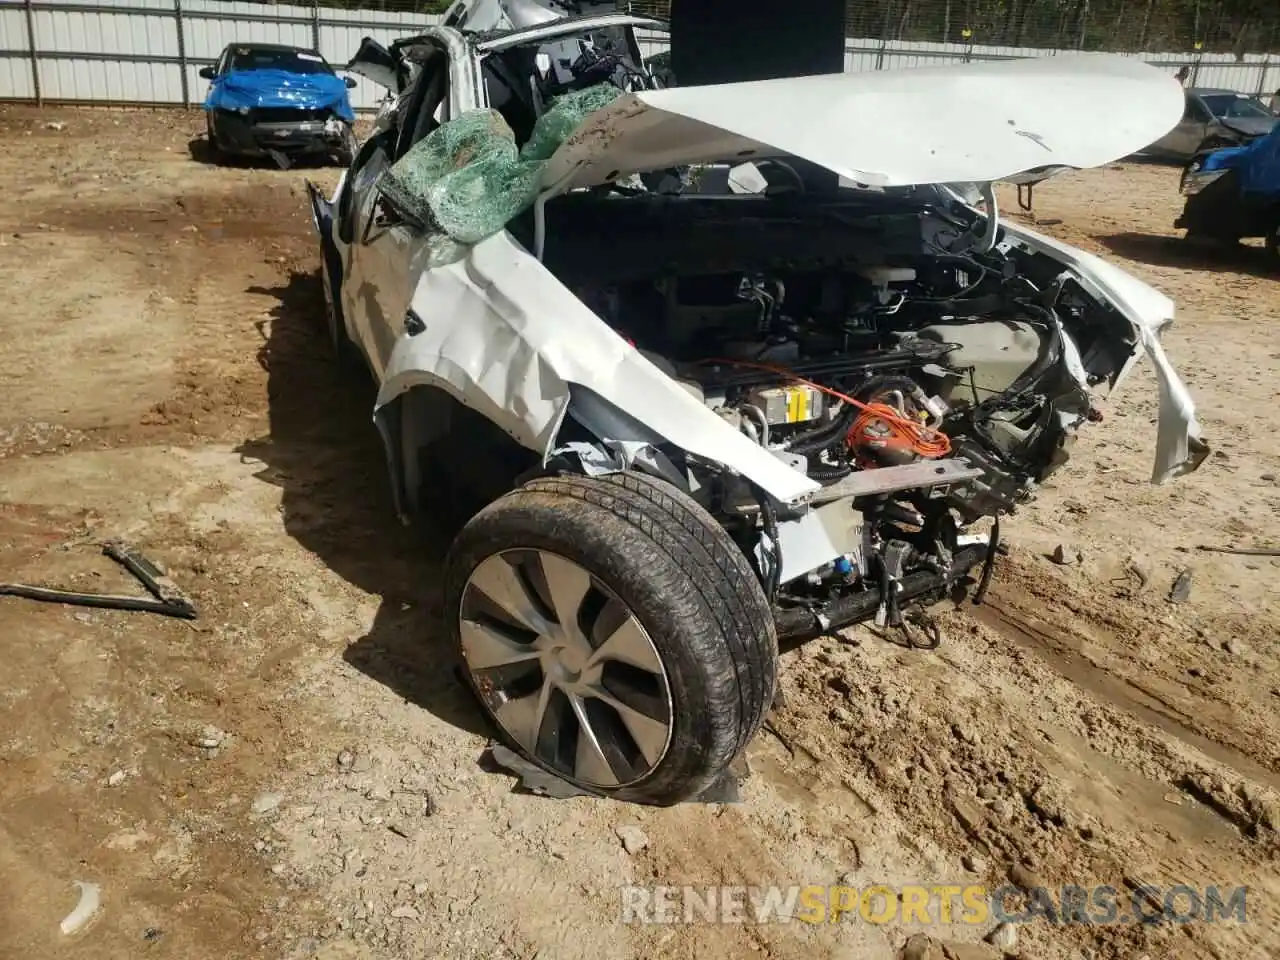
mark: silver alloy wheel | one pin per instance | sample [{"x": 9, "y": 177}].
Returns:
[{"x": 565, "y": 668}]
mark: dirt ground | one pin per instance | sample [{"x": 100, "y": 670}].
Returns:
[{"x": 294, "y": 775}]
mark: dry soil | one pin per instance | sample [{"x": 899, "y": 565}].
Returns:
[{"x": 295, "y": 774}]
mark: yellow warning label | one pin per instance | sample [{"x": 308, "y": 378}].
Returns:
[{"x": 797, "y": 404}]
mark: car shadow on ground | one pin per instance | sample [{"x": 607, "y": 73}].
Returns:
[
  {"x": 202, "y": 152},
  {"x": 325, "y": 454},
  {"x": 1167, "y": 251}
]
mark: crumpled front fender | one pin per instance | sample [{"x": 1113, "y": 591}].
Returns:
[
  {"x": 1179, "y": 446},
  {"x": 502, "y": 335}
]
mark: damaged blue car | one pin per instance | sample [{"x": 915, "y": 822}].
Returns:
[
  {"x": 1234, "y": 194},
  {"x": 268, "y": 100}
]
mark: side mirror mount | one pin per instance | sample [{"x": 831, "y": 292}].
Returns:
[
  {"x": 207, "y": 73},
  {"x": 350, "y": 82}
]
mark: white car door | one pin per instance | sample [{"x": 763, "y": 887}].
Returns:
[{"x": 387, "y": 255}]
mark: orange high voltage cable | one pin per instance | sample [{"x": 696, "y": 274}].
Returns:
[{"x": 903, "y": 431}]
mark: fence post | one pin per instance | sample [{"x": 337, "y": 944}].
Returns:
[
  {"x": 884, "y": 35},
  {"x": 182, "y": 53},
  {"x": 1262, "y": 76},
  {"x": 315, "y": 25},
  {"x": 35, "y": 60}
]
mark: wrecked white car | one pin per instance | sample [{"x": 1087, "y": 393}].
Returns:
[{"x": 686, "y": 405}]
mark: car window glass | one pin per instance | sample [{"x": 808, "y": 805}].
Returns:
[
  {"x": 369, "y": 163},
  {"x": 1235, "y": 106},
  {"x": 426, "y": 102},
  {"x": 457, "y": 16},
  {"x": 290, "y": 61},
  {"x": 511, "y": 89},
  {"x": 1195, "y": 111}
]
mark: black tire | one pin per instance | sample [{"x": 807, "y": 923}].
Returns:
[
  {"x": 681, "y": 576},
  {"x": 343, "y": 349},
  {"x": 215, "y": 151}
]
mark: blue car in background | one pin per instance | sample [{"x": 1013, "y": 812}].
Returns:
[
  {"x": 1235, "y": 193},
  {"x": 280, "y": 102}
]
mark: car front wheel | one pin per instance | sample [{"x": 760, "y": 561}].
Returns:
[
  {"x": 214, "y": 150},
  {"x": 614, "y": 633}
]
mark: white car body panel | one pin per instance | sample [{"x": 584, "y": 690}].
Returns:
[
  {"x": 975, "y": 122},
  {"x": 1179, "y": 447},
  {"x": 484, "y": 16},
  {"x": 503, "y": 335}
]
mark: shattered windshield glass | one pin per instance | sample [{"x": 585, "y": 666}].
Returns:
[{"x": 467, "y": 179}]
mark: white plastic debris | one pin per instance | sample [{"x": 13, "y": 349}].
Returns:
[{"x": 76, "y": 920}]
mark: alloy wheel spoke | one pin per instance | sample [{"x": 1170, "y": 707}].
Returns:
[
  {"x": 523, "y": 717},
  {"x": 568, "y": 585},
  {"x": 629, "y": 644},
  {"x": 485, "y": 646},
  {"x": 498, "y": 580},
  {"x": 650, "y": 735},
  {"x": 590, "y": 765}
]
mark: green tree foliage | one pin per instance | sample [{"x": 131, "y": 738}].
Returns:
[{"x": 1236, "y": 26}]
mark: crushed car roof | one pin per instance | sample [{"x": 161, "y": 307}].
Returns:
[{"x": 503, "y": 39}]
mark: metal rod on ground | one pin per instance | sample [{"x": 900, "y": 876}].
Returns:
[
  {"x": 35, "y": 60},
  {"x": 1243, "y": 551},
  {"x": 182, "y": 53}
]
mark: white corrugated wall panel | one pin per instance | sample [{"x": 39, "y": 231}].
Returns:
[
  {"x": 651, "y": 43},
  {"x": 99, "y": 80},
  {"x": 15, "y": 72},
  {"x": 206, "y": 37},
  {"x": 404, "y": 24},
  {"x": 339, "y": 42},
  {"x": 13, "y": 29},
  {"x": 84, "y": 32},
  {"x": 153, "y": 4},
  {"x": 15, "y": 79}
]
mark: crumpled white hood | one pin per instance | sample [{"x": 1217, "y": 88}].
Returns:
[{"x": 969, "y": 122}]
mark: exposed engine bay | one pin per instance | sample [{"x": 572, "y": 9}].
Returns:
[{"x": 925, "y": 374}]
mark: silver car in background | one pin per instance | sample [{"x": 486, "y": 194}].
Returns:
[{"x": 1214, "y": 119}]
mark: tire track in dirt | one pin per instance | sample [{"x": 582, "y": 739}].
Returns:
[
  {"x": 990, "y": 747},
  {"x": 1063, "y": 653}
]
